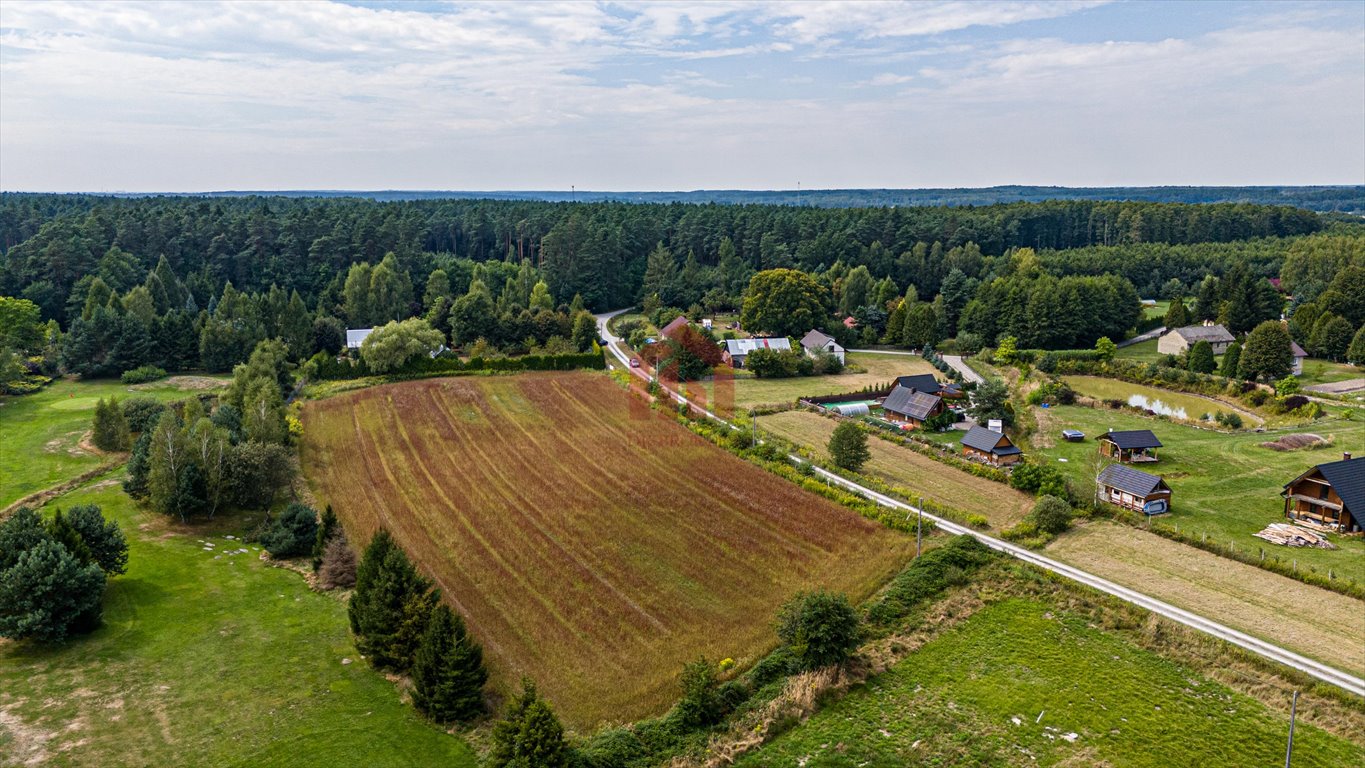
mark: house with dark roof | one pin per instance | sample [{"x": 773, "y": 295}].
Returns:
[
  {"x": 1134, "y": 489},
  {"x": 816, "y": 343},
  {"x": 677, "y": 324},
  {"x": 1299, "y": 356},
  {"x": 1129, "y": 446},
  {"x": 1180, "y": 340},
  {"x": 989, "y": 446},
  {"x": 912, "y": 406},
  {"x": 925, "y": 382},
  {"x": 1331, "y": 494}
]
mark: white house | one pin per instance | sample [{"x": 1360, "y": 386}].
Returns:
[
  {"x": 816, "y": 342},
  {"x": 356, "y": 336},
  {"x": 1299, "y": 355},
  {"x": 738, "y": 349},
  {"x": 1179, "y": 340}
]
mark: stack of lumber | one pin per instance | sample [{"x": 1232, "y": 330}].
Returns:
[{"x": 1293, "y": 536}]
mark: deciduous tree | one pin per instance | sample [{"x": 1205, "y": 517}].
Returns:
[{"x": 848, "y": 446}]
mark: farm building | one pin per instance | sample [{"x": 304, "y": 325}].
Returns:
[
  {"x": 1299, "y": 356},
  {"x": 1129, "y": 446},
  {"x": 356, "y": 336},
  {"x": 1180, "y": 340},
  {"x": 925, "y": 382},
  {"x": 1134, "y": 489},
  {"x": 678, "y": 323},
  {"x": 816, "y": 342},
  {"x": 738, "y": 349},
  {"x": 992, "y": 447},
  {"x": 1331, "y": 494},
  {"x": 911, "y": 406}
]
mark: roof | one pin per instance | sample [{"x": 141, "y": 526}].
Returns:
[
  {"x": 1213, "y": 334},
  {"x": 1072, "y": 433},
  {"x": 1297, "y": 350},
  {"x": 1348, "y": 480},
  {"x": 983, "y": 439},
  {"x": 908, "y": 402},
  {"x": 817, "y": 340},
  {"x": 354, "y": 336},
  {"x": 677, "y": 324},
  {"x": 742, "y": 347},
  {"x": 1134, "y": 481},
  {"x": 925, "y": 382},
  {"x": 1132, "y": 438}
]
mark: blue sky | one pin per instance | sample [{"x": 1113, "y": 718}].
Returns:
[{"x": 681, "y": 95}]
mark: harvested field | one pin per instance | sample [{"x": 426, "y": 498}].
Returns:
[
  {"x": 914, "y": 472},
  {"x": 591, "y": 543},
  {"x": 1305, "y": 619}
]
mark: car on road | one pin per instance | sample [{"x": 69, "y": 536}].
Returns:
[{"x": 635, "y": 362}]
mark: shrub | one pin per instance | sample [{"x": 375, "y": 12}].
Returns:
[
  {"x": 1233, "y": 421},
  {"x": 700, "y": 704},
  {"x": 978, "y": 521},
  {"x": 1294, "y": 402},
  {"x": 292, "y": 533},
  {"x": 141, "y": 413},
  {"x": 927, "y": 576},
  {"x": 820, "y": 628},
  {"x": 338, "y": 567},
  {"x": 143, "y": 374},
  {"x": 46, "y": 593},
  {"x": 1051, "y": 514},
  {"x": 447, "y": 670}
]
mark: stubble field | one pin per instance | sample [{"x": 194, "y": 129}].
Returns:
[{"x": 591, "y": 543}]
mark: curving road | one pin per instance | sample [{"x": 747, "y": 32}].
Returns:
[{"x": 1267, "y": 650}]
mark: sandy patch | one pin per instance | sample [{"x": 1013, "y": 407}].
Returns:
[{"x": 28, "y": 743}]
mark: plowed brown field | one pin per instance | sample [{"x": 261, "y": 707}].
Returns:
[{"x": 591, "y": 543}]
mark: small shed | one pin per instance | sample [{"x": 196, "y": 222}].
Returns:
[
  {"x": 989, "y": 446},
  {"x": 1129, "y": 446},
  {"x": 1299, "y": 356},
  {"x": 1134, "y": 489},
  {"x": 1331, "y": 494},
  {"x": 911, "y": 406}
]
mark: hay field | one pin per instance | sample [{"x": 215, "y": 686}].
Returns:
[{"x": 591, "y": 543}]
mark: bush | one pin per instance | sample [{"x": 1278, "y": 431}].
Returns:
[
  {"x": 700, "y": 704},
  {"x": 1233, "y": 421},
  {"x": 1051, "y": 514},
  {"x": 927, "y": 576},
  {"x": 820, "y": 628},
  {"x": 46, "y": 593},
  {"x": 978, "y": 521},
  {"x": 143, "y": 374},
  {"x": 292, "y": 533},
  {"x": 327, "y": 528},
  {"x": 141, "y": 413},
  {"x": 110, "y": 429}
]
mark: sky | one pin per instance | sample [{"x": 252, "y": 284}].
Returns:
[{"x": 179, "y": 97}]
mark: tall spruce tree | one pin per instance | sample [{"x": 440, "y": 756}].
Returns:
[
  {"x": 391, "y": 611},
  {"x": 1232, "y": 361},
  {"x": 529, "y": 734},
  {"x": 447, "y": 670},
  {"x": 1201, "y": 358}
]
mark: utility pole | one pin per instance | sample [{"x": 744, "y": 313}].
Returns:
[
  {"x": 573, "y": 193},
  {"x": 919, "y": 527},
  {"x": 753, "y": 416},
  {"x": 1293, "y": 713}
]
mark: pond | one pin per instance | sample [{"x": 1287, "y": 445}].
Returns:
[{"x": 1165, "y": 402}]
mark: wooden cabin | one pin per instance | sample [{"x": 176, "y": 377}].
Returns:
[
  {"x": 1134, "y": 489},
  {"x": 927, "y": 383},
  {"x": 1331, "y": 495},
  {"x": 911, "y": 406},
  {"x": 989, "y": 446},
  {"x": 1129, "y": 446}
]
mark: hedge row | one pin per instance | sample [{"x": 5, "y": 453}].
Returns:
[{"x": 331, "y": 368}]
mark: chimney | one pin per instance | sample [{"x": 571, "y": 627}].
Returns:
[{"x": 1345, "y": 455}]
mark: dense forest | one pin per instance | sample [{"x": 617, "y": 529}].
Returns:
[
  {"x": 1325, "y": 199},
  {"x": 109, "y": 285}
]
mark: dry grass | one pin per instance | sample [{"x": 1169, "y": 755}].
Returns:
[
  {"x": 1319, "y": 624},
  {"x": 1298, "y": 441},
  {"x": 592, "y": 543},
  {"x": 907, "y": 469}
]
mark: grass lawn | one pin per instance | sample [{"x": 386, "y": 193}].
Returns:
[
  {"x": 915, "y": 473},
  {"x": 745, "y": 390},
  {"x": 1316, "y": 371},
  {"x": 591, "y": 543},
  {"x": 1143, "y": 350},
  {"x": 206, "y": 658},
  {"x": 1027, "y": 683},
  {"x": 1224, "y": 485},
  {"x": 1159, "y": 309},
  {"x": 1309, "y": 620},
  {"x": 43, "y": 431}
]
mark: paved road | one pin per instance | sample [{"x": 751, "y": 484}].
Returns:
[
  {"x": 1141, "y": 337},
  {"x": 958, "y": 364},
  {"x": 1270, "y": 651}
]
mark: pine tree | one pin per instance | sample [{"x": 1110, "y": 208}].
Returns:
[
  {"x": 1177, "y": 316},
  {"x": 327, "y": 527},
  {"x": 106, "y": 542},
  {"x": 1232, "y": 360},
  {"x": 447, "y": 670},
  {"x": 48, "y": 594},
  {"x": 135, "y": 484},
  {"x": 529, "y": 734},
  {"x": 62, "y": 532},
  {"x": 391, "y": 605}
]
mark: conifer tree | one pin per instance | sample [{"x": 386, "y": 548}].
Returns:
[
  {"x": 529, "y": 734},
  {"x": 391, "y": 605},
  {"x": 1232, "y": 360},
  {"x": 106, "y": 542},
  {"x": 447, "y": 670},
  {"x": 327, "y": 526},
  {"x": 62, "y": 532},
  {"x": 1201, "y": 357}
]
